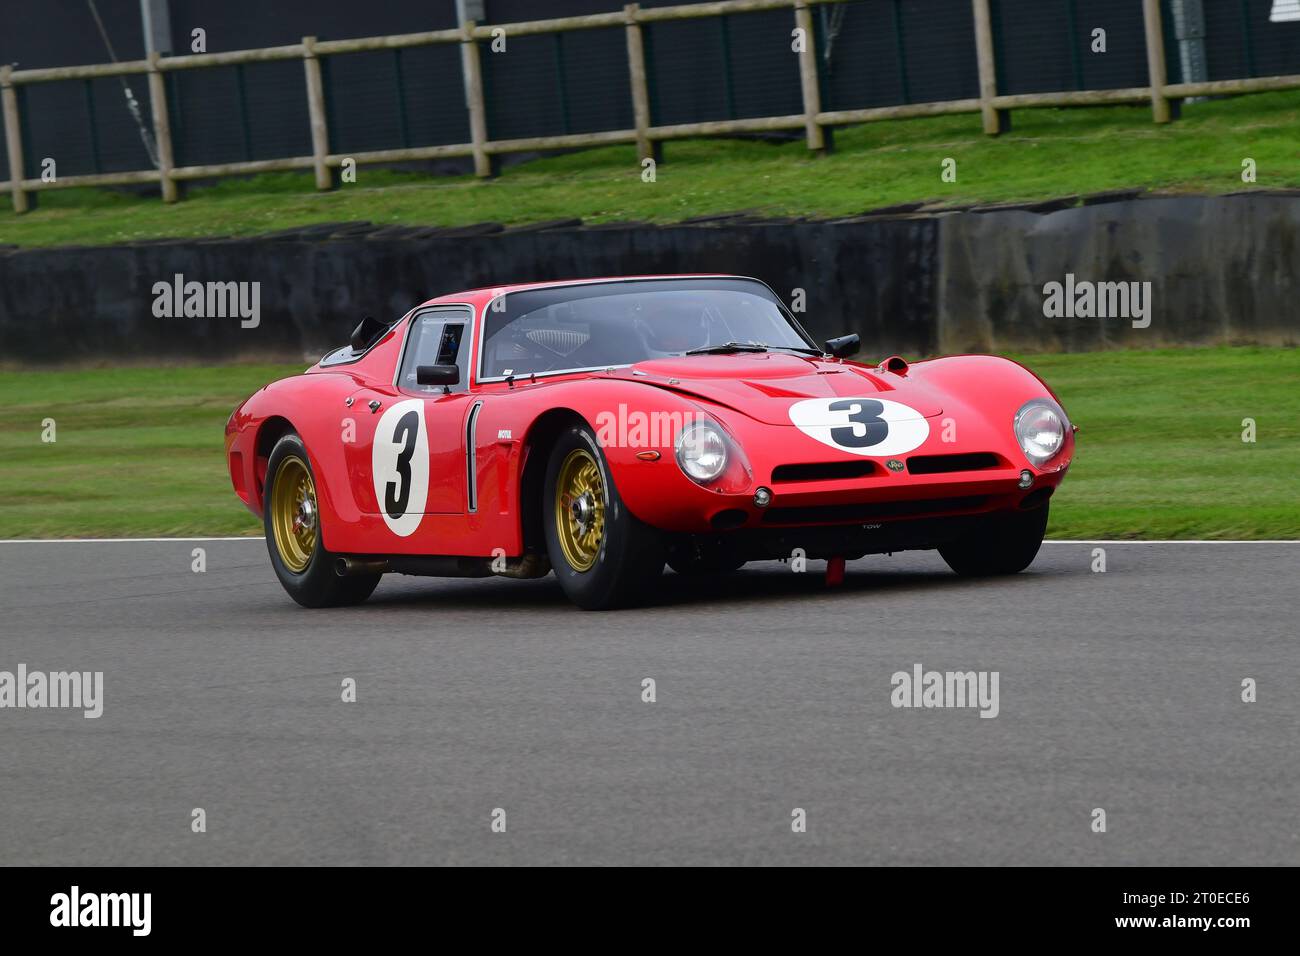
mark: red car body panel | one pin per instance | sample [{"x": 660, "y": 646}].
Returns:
[{"x": 969, "y": 403}]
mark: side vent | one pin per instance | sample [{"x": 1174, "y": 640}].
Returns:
[{"x": 471, "y": 457}]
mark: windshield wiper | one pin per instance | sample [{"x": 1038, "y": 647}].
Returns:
[
  {"x": 729, "y": 347},
  {"x": 724, "y": 348}
]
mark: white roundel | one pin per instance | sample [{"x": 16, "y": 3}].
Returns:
[
  {"x": 861, "y": 426},
  {"x": 400, "y": 465}
]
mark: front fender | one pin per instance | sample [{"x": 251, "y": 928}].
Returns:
[
  {"x": 636, "y": 425},
  {"x": 983, "y": 393}
]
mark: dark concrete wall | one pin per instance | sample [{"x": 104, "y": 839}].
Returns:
[
  {"x": 873, "y": 276},
  {"x": 1223, "y": 270}
]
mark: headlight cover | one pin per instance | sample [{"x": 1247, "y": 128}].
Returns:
[
  {"x": 1040, "y": 429},
  {"x": 702, "y": 451}
]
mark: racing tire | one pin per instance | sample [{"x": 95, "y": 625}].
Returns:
[
  {"x": 602, "y": 554},
  {"x": 293, "y": 533},
  {"x": 1006, "y": 544}
]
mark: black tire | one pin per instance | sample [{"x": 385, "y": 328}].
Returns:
[
  {"x": 1003, "y": 545},
  {"x": 318, "y": 584},
  {"x": 630, "y": 555}
]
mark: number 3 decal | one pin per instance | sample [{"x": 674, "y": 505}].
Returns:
[
  {"x": 400, "y": 465},
  {"x": 861, "y": 426},
  {"x": 864, "y": 413},
  {"x": 398, "y": 493}
]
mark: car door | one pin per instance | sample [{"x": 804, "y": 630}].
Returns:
[{"x": 418, "y": 454}]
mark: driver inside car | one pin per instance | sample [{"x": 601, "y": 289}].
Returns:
[{"x": 677, "y": 326}]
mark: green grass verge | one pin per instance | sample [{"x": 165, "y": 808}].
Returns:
[
  {"x": 1160, "y": 451},
  {"x": 1049, "y": 153},
  {"x": 140, "y": 452}
]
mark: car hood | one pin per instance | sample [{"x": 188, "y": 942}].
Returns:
[{"x": 765, "y": 386}]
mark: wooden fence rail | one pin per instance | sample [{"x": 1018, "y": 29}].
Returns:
[{"x": 813, "y": 119}]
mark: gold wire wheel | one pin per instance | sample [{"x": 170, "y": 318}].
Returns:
[
  {"x": 580, "y": 509},
  {"x": 294, "y": 514}
]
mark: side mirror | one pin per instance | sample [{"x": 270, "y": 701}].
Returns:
[
  {"x": 437, "y": 375},
  {"x": 366, "y": 334},
  {"x": 844, "y": 346}
]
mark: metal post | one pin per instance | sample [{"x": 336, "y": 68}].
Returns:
[
  {"x": 474, "y": 11},
  {"x": 320, "y": 140},
  {"x": 1189, "y": 28},
  {"x": 1156, "y": 59},
  {"x": 162, "y": 129},
  {"x": 812, "y": 96},
  {"x": 13, "y": 139},
  {"x": 156, "y": 19}
]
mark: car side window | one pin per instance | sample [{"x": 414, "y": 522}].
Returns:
[{"x": 436, "y": 338}]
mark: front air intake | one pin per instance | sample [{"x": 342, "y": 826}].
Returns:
[
  {"x": 944, "y": 464},
  {"x": 823, "y": 471}
]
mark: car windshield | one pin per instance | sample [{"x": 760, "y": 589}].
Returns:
[{"x": 606, "y": 324}]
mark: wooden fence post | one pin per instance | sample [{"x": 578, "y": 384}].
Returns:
[
  {"x": 162, "y": 130},
  {"x": 320, "y": 134},
  {"x": 1156, "y": 70},
  {"x": 472, "y": 71},
  {"x": 13, "y": 139},
  {"x": 812, "y": 97},
  {"x": 995, "y": 121},
  {"x": 640, "y": 86}
]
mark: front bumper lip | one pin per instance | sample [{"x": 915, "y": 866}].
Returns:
[
  {"x": 881, "y": 499},
  {"x": 661, "y": 496}
]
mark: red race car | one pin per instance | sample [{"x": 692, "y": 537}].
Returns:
[{"x": 602, "y": 428}]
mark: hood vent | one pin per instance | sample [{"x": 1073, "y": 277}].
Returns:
[{"x": 772, "y": 391}]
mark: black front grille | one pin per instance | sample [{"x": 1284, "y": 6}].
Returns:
[
  {"x": 942, "y": 464},
  {"x": 870, "y": 511},
  {"x": 823, "y": 471}
]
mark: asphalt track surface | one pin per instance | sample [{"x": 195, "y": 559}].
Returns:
[{"x": 1119, "y": 690}]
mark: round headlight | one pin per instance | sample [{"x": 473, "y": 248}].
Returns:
[
  {"x": 702, "y": 451},
  {"x": 1040, "y": 430}
]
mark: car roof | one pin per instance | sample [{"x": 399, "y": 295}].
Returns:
[{"x": 491, "y": 292}]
